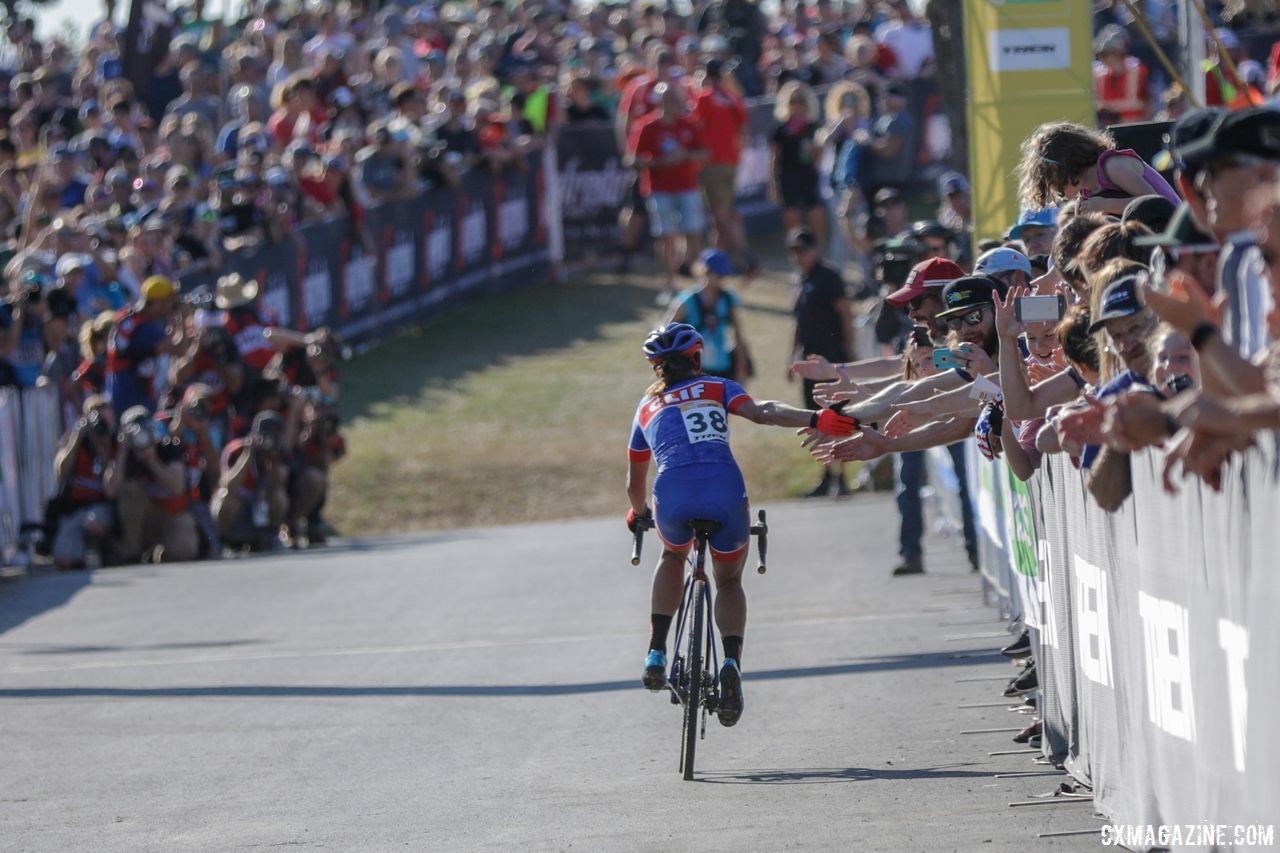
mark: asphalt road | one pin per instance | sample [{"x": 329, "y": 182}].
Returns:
[{"x": 479, "y": 690}]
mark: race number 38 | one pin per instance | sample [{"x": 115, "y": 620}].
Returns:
[{"x": 705, "y": 422}]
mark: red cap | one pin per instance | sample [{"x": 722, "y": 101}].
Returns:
[{"x": 935, "y": 272}]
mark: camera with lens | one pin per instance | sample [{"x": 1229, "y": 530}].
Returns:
[
  {"x": 893, "y": 260},
  {"x": 95, "y": 424},
  {"x": 216, "y": 342},
  {"x": 197, "y": 299},
  {"x": 137, "y": 435},
  {"x": 1179, "y": 383}
]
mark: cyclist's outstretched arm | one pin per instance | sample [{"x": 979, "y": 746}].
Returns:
[{"x": 774, "y": 413}]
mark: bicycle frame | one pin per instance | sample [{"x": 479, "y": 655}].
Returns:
[{"x": 692, "y": 686}]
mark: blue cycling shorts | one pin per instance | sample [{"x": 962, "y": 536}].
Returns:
[{"x": 713, "y": 492}]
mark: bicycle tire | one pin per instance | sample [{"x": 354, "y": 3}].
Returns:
[{"x": 693, "y": 705}]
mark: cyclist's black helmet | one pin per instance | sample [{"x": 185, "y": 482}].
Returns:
[{"x": 672, "y": 339}]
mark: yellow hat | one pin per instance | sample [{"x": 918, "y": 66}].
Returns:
[{"x": 157, "y": 287}]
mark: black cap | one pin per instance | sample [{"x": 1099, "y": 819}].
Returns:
[
  {"x": 1192, "y": 125},
  {"x": 268, "y": 421},
  {"x": 801, "y": 238},
  {"x": 1153, "y": 211},
  {"x": 1181, "y": 231},
  {"x": 886, "y": 195},
  {"x": 931, "y": 228},
  {"x": 1119, "y": 300},
  {"x": 1255, "y": 131},
  {"x": 972, "y": 291}
]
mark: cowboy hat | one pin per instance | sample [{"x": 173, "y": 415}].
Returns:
[{"x": 235, "y": 291}]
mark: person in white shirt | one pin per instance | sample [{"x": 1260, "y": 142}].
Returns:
[{"x": 910, "y": 39}]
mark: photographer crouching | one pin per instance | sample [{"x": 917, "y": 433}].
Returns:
[
  {"x": 318, "y": 446},
  {"x": 251, "y": 502},
  {"x": 154, "y": 501},
  {"x": 82, "y": 516}
]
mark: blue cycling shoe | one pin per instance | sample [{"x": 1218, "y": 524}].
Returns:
[
  {"x": 730, "y": 707},
  {"x": 655, "y": 670}
]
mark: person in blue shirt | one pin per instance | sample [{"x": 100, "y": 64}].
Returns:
[
  {"x": 139, "y": 337},
  {"x": 22, "y": 319},
  {"x": 713, "y": 310},
  {"x": 682, "y": 425}
]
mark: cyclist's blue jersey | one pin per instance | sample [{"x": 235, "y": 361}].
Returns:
[{"x": 688, "y": 424}]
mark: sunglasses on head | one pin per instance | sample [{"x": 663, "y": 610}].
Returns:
[{"x": 972, "y": 318}]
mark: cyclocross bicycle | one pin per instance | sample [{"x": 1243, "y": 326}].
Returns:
[{"x": 690, "y": 682}]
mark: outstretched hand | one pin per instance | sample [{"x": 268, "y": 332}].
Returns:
[
  {"x": 843, "y": 389},
  {"x": 907, "y": 417},
  {"x": 815, "y": 368},
  {"x": 863, "y": 447}
]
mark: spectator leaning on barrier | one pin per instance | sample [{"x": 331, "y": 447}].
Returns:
[{"x": 1238, "y": 153}]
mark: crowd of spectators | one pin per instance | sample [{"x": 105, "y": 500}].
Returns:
[
  {"x": 192, "y": 422},
  {"x": 1153, "y": 320}
]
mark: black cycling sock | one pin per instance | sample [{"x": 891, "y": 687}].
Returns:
[
  {"x": 659, "y": 625},
  {"x": 733, "y": 648}
]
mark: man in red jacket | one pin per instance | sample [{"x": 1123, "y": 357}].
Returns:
[
  {"x": 668, "y": 148},
  {"x": 722, "y": 115}
]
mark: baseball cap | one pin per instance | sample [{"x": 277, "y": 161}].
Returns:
[
  {"x": 716, "y": 261},
  {"x": 1001, "y": 260},
  {"x": 1047, "y": 218},
  {"x": 887, "y": 195},
  {"x": 1193, "y": 124},
  {"x": 952, "y": 182},
  {"x": 1153, "y": 211},
  {"x": 1181, "y": 232},
  {"x": 268, "y": 421},
  {"x": 72, "y": 262},
  {"x": 157, "y": 287},
  {"x": 972, "y": 291},
  {"x": 933, "y": 273},
  {"x": 1255, "y": 131},
  {"x": 801, "y": 238},
  {"x": 1119, "y": 300}
]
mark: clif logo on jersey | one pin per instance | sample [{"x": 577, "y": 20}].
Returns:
[{"x": 712, "y": 391}]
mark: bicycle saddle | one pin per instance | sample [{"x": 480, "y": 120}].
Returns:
[{"x": 704, "y": 525}]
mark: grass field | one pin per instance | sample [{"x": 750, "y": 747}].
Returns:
[{"x": 516, "y": 407}]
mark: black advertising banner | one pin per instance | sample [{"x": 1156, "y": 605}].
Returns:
[
  {"x": 751, "y": 194},
  {"x": 593, "y": 188},
  {"x": 407, "y": 256},
  {"x": 320, "y": 271}
]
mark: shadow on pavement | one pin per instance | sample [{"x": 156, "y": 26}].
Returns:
[
  {"x": 28, "y": 597},
  {"x": 925, "y": 660},
  {"x": 824, "y": 775},
  {"x": 52, "y": 649}
]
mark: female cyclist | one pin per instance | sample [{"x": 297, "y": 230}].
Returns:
[{"x": 682, "y": 422}]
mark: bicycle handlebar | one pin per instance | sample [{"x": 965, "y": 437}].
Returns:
[
  {"x": 761, "y": 532},
  {"x": 642, "y": 524}
]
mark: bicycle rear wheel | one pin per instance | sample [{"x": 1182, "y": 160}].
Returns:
[{"x": 693, "y": 704}]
